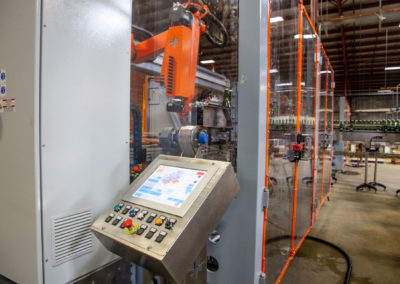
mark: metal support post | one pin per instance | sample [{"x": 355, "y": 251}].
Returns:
[
  {"x": 239, "y": 250},
  {"x": 366, "y": 184},
  {"x": 374, "y": 183}
]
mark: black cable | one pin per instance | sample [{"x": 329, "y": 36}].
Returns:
[
  {"x": 138, "y": 155},
  {"x": 210, "y": 19},
  {"x": 142, "y": 30},
  {"x": 347, "y": 257}
]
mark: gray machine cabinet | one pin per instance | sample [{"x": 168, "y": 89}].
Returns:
[
  {"x": 65, "y": 150},
  {"x": 195, "y": 218}
]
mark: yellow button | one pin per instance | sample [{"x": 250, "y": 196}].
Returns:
[
  {"x": 158, "y": 221},
  {"x": 132, "y": 229}
]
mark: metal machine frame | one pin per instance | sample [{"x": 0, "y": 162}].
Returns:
[{"x": 68, "y": 170}]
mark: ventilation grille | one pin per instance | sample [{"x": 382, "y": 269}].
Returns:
[
  {"x": 170, "y": 79},
  {"x": 72, "y": 236}
]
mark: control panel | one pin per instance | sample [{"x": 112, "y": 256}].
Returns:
[{"x": 163, "y": 222}]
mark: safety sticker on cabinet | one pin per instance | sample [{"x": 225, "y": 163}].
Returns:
[
  {"x": 7, "y": 105},
  {"x": 3, "y": 83}
]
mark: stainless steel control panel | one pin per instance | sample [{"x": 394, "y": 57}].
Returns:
[{"x": 164, "y": 220}]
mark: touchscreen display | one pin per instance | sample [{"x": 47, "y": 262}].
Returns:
[{"x": 170, "y": 185}]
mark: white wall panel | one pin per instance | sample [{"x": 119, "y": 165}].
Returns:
[
  {"x": 84, "y": 117},
  {"x": 20, "y": 231}
]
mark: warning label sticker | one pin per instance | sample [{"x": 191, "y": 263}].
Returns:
[{"x": 7, "y": 105}]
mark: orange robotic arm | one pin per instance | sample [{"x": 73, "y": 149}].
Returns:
[{"x": 180, "y": 44}]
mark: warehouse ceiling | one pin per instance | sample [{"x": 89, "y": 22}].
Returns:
[
  {"x": 371, "y": 40},
  {"x": 361, "y": 38}
]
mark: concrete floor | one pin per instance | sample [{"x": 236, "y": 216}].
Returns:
[{"x": 364, "y": 224}]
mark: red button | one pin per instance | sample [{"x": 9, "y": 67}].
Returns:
[{"x": 128, "y": 223}]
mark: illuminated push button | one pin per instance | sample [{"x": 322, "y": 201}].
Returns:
[
  {"x": 132, "y": 213},
  {"x": 109, "y": 217},
  {"x": 151, "y": 217},
  {"x": 126, "y": 209},
  {"x": 144, "y": 212},
  {"x": 159, "y": 221},
  {"x": 116, "y": 221},
  {"x": 161, "y": 236},
  {"x": 141, "y": 230},
  {"x": 151, "y": 233},
  {"x": 170, "y": 223},
  {"x": 122, "y": 223},
  {"x": 117, "y": 208},
  {"x": 130, "y": 227},
  {"x": 136, "y": 209},
  {"x": 140, "y": 216}
]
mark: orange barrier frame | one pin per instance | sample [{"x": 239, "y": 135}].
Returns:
[{"x": 319, "y": 51}]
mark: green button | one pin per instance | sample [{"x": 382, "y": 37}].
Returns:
[{"x": 116, "y": 207}]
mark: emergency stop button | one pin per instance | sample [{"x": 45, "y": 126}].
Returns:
[{"x": 130, "y": 227}]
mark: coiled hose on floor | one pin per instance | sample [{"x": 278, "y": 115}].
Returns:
[{"x": 347, "y": 257}]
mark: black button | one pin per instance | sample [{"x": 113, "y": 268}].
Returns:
[
  {"x": 150, "y": 219},
  {"x": 170, "y": 223},
  {"x": 149, "y": 235},
  {"x": 161, "y": 236},
  {"x": 116, "y": 221},
  {"x": 125, "y": 211},
  {"x": 108, "y": 219},
  {"x": 122, "y": 224},
  {"x": 140, "y": 231}
]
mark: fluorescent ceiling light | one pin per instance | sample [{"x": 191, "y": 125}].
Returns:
[
  {"x": 276, "y": 19},
  {"x": 273, "y": 71},
  {"x": 392, "y": 68},
  {"x": 210, "y": 61},
  {"x": 385, "y": 91},
  {"x": 307, "y": 36},
  {"x": 324, "y": 72},
  {"x": 284, "y": 84}
]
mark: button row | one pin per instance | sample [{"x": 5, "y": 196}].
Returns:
[
  {"x": 141, "y": 216},
  {"x": 133, "y": 227},
  {"x": 151, "y": 233}
]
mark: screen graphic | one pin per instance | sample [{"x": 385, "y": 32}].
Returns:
[{"x": 170, "y": 185}]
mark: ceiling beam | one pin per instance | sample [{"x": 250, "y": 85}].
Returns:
[
  {"x": 349, "y": 8},
  {"x": 385, "y": 24},
  {"x": 334, "y": 45},
  {"x": 362, "y": 37},
  {"x": 355, "y": 17}
]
